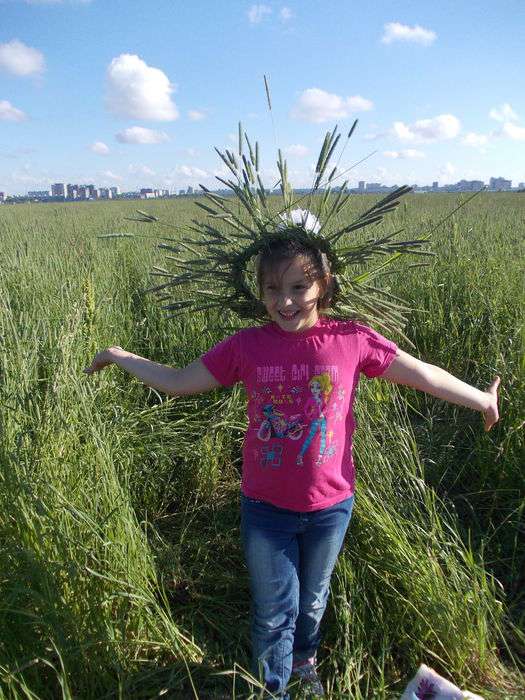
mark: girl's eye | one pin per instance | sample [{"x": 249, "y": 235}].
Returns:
[{"x": 299, "y": 287}]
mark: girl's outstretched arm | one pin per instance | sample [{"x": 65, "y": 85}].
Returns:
[
  {"x": 193, "y": 379},
  {"x": 410, "y": 371}
]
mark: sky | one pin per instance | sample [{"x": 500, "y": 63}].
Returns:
[{"x": 138, "y": 94}]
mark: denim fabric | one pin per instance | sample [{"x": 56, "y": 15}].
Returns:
[
  {"x": 319, "y": 423},
  {"x": 290, "y": 558}
]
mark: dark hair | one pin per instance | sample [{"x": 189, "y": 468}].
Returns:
[{"x": 316, "y": 268}]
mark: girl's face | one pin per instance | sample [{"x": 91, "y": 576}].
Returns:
[
  {"x": 315, "y": 388},
  {"x": 290, "y": 297}
]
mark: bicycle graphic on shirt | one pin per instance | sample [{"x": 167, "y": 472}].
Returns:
[{"x": 276, "y": 425}]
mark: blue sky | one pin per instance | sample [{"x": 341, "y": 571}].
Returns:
[{"x": 129, "y": 93}]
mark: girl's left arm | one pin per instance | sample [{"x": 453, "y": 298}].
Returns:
[{"x": 412, "y": 372}]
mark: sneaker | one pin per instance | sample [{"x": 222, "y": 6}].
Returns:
[{"x": 309, "y": 682}]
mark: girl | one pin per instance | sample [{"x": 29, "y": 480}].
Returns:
[
  {"x": 296, "y": 502},
  {"x": 315, "y": 408}
]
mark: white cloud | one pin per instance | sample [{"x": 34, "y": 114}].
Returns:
[
  {"x": 257, "y": 13},
  {"x": 297, "y": 149},
  {"x": 191, "y": 171},
  {"x": 374, "y": 137},
  {"x": 221, "y": 172},
  {"x": 139, "y": 134},
  {"x": 446, "y": 172},
  {"x": 504, "y": 113},
  {"x": 513, "y": 131},
  {"x": 139, "y": 91},
  {"x": 25, "y": 176},
  {"x": 359, "y": 104},
  {"x": 9, "y": 113},
  {"x": 109, "y": 175},
  {"x": 196, "y": 115},
  {"x": 408, "y": 153},
  {"x": 395, "y": 31},
  {"x": 21, "y": 60},
  {"x": 475, "y": 140},
  {"x": 140, "y": 170},
  {"x": 100, "y": 148},
  {"x": 315, "y": 105},
  {"x": 285, "y": 14},
  {"x": 440, "y": 128}
]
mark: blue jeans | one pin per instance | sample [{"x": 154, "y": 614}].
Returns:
[{"x": 290, "y": 558}]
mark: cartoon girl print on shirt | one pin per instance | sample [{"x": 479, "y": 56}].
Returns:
[{"x": 321, "y": 388}]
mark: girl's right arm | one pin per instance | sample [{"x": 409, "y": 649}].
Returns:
[
  {"x": 408, "y": 370},
  {"x": 193, "y": 379}
]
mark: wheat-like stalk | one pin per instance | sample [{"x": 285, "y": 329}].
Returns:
[{"x": 212, "y": 267}]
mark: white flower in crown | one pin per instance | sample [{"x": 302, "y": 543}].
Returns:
[{"x": 301, "y": 217}]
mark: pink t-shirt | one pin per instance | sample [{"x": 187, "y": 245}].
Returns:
[{"x": 297, "y": 451}]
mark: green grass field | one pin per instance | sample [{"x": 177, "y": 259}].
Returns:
[{"x": 121, "y": 574}]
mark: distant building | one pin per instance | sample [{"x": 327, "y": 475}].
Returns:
[
  {"x": 83, "y": 192},
  {"x": 162, "y": 193},
  {"x": 470, "y": 185},
  {"x": 2, "y": 196},
  {"x": 38, "y": 194},
  {"x": 58, "y": 190},
  {"x": 500, "y": 184},
  {"x": 72, "y": 191}
]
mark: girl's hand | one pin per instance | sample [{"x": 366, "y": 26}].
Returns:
[
  {"x": 491, "y": 414},
  {"x": 102, "y": 359}
]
